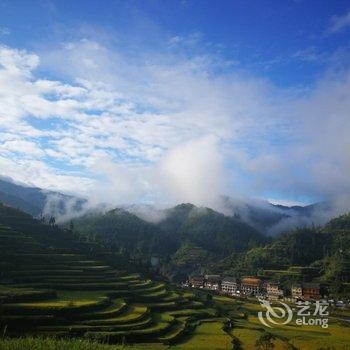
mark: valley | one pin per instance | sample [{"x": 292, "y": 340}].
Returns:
[{"x": 57, "y": 287}]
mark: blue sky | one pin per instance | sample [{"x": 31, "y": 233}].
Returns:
[
  {"x": 256, "y": 34},
  {"x": 131, "y": 101}
]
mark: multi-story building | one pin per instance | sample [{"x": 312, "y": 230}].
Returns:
[
  {"x": 274, "y": 290},
  {"x": 251, "y": 285},
  {"x": 306, "y": 291},
  {"x": 230, "y": 285},
  {"x": 196, "y": 281},
  {"x": 297, "y": 291},
  {"x": 212, "y": 282},
  {"x": 311, "y": 291}
]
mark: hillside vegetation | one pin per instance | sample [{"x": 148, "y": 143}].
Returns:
[
  {"x": 199, "y": 240},
  {"x": 212, "y": 234},
  {"x": 53, "y": 285},
  {"x": 59, "y": 291},
  {"x": 321, "y": 253},
  {"x": 36, "y": 201},
  {"x": 55, "y": 344}
]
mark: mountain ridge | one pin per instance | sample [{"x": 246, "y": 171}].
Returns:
[
  {"x": 264, "y": 216},
  {"x": 36, "y": 201}
]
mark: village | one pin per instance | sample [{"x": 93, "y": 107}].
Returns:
[{"x": 251, "y": 286}]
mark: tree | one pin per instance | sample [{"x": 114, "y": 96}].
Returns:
[
  {"x": 236, "y": 344},
  {"x": 209, "y": 299},
  {"x": 265, "y": 342},
  {"x": 52, "y": 221},
  {"x": 42, "y": 218}
]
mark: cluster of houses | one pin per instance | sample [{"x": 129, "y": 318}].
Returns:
[{"x": 254, "y": 286}]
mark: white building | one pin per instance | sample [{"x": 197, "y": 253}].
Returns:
[{"x": 230, "y": 285}]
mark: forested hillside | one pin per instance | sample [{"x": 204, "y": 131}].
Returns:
[
  {"x": 213, "y": 233},
  {"x": 319, "y": 252},
  {"x": 36, "y": 201},
  {"x": 191, "y": 240}
]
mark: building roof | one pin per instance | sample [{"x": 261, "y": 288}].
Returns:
[
  {"x": 213, "y": 278},
  {"x": 251, "y": 280},
  {"x": 311, "y": 285},
  {"x": 273, "y": 283},
  {"x": 229, "y": 279},
  {"x": 199, "y": 278}
]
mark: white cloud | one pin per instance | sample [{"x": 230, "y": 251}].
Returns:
[
  {"x": 4, "y": 31},
  {"x": 339, "y": 23},
  {"x": 169, "y": 127},
  {"x": 194, "y": 172},
  {"x": 37, "y": 173},
  {"x": 25, "y": 147}
]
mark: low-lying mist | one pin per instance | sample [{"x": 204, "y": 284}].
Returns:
[{"x": 266, "y": 217}]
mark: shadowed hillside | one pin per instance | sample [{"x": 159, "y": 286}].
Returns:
[
  {"x": 53, "y": 284},
  {"x": 36, "y": 202},
  {"x": 215, "y": 234}
]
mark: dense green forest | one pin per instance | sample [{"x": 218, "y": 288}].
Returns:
[
  {"x": 214, "y": 232},
  {"x": 321, "y": 253},
  {"x": 198, "y": 240}
]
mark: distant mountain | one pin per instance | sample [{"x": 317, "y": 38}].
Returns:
[
  {"x": 204, "y": 228},
  {"x": 125, "y": 230},
  {"x": 321, "y": 251},
  {"x": 263, "y": 216},
  {"x": 36, "y": 201},
  {"x": 190, "y": 239},
  {"x": 209, "y": 229},
  {"x": 273, "y": 219}
]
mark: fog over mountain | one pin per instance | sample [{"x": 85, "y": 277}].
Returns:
[
  {"x": 265, "y": 217},
  {"x": 38, "y": 202},
  {"x": 192, "y": 129}
]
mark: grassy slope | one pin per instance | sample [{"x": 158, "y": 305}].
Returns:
[
  {"x": 78, "y": 278},
  {"x": 207, "y": 336},
  {"x": 249, "y": 329},
  {"x": 52, "y": 289},
  {"x": 61, "y": 344}
]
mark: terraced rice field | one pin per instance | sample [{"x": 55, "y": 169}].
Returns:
[
  {"x": 73, "y": 291},
  {"x": 247, "y": 329},
  {"x": 36, "y": 343},
  {"x": 64, "y": 293},
  {"x": 207, "y": 336}
]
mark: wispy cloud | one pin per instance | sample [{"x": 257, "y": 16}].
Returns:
[
  {"x": 310, "y": 54},
  {"x": 167, "y": 125},
  {"x": 4, "y": 31},
  {"x": 339, "y": 23},
  {"x": 126, "y": 112}
]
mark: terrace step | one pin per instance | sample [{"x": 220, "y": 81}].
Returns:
[
  {"x": 74, "y": 286},
  {"x": 150, "y": 333},
  {"x": 171, "y": 305},
  {"x": 81, "y": 329},
  {"x": 200, "y": 313},
  {"x": 116, "y": 308},
  {"x": 53, "y": 307},
  {"x": 131, "y": 314},
  {"x": 174, "y": 333}
]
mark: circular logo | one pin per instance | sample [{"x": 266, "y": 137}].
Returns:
[{"x": 274, "y": 315}]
